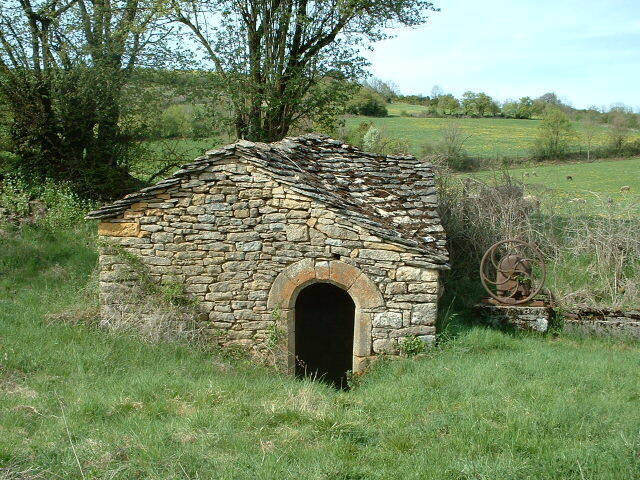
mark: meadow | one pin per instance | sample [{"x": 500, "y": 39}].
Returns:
[
  {"x": 490, "y": 138},
  {"x": 589, "y": 186},
  {"x": 77, "y": 402}
]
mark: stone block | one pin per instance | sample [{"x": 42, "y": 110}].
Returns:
[
  {"x": 366, "y": 293},
  {"x": 387, "y": 320},
  {"x": 120, "y": 229},
  {"x": 296, "y": 233},
  {"x": 337, "y": 232},
  {"x": 379, "y": 255},
  {"x": 343, "y": 273},
  {"x": 424, "y": 314},
  {"x": 322, "y": 270},
  {"x": 249, "y": 246},
  {"x": 362, "y": 337},
  {"x": 384, "y": 346}
]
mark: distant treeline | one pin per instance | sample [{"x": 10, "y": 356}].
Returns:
[{"x": 374, "y": 95}]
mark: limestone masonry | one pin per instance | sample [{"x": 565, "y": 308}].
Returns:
[{"x": 246, "y": 227}]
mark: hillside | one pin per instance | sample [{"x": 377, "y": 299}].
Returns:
[{"x": 487, "y": 137}]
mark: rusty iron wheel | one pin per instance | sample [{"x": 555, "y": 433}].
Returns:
[{"x": 538, "y": 259}]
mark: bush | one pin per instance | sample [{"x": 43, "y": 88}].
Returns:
[
  {"x": 450, "y": 149},
  {"x": 369, "y": 138},
  {"x": 367, "y": 102},
  {"x": 554, "y": 135},
  {"x": 53, "y": 204}
]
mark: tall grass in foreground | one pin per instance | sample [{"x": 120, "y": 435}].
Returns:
[
  {"x": 77, "y": 402},
  {"x": 593, "y": 254}
]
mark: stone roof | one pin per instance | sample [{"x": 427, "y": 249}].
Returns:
[{"x": 392, "y": 197}]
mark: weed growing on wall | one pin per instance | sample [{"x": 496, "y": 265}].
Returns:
[{"x": 412, "y": 346}]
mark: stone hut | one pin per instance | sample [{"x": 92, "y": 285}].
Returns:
[{"x": 336, "y": 249}]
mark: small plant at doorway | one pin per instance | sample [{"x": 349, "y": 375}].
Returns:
[
  {"x": 412, "y": 346},
  {"x": 275, "y": 336},
  {"x": 277, "y": 351}
]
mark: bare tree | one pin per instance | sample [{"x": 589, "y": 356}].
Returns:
[
  {"x": 280, "y": 61},
  {"x": 590, "y": 130}
]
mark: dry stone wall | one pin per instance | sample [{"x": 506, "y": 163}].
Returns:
[{"x": 227, "y": 232}]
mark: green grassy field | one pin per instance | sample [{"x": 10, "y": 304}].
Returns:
[
  {"x": 487, "y": 137},
  {"x": 77, "y": 402},
  {"x": 593, "y": 185}
]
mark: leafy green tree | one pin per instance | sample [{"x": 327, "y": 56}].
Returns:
[
  {"x": 525, "y": 108},
  {"x": 522, "y": 108},
  {"x": 469, "y": 102},
  {"x": 618, "y": 132},
  {"x": 63, "y": 65},
  {"x": 554, "y": 135},
  {"x": 478, "y": 104},
  {"x": 367, "y": 102},
  {"x": 388, "y": 90},
  {"x": 448, "y": 104},
  {"x": 271, "y": 55}
]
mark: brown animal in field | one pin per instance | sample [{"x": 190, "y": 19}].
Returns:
[
  {"x": 569, "y": 177},
  {"x": 626, "y": 188}
]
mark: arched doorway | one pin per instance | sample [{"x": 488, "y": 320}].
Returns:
[
  {"x": 296, "y": 277},
  {"x": 324, "y": 326}
]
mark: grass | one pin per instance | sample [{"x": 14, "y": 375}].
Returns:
[
  {"x": 77, "y": 402},
  {"x": 488, "y": 137},
  {"x": 592, "y": 185}
]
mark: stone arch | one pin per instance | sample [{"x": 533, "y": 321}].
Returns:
[{"x": 363, "y": 291}]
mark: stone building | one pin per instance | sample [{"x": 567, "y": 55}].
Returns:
[{"x": 336, "y": 249}]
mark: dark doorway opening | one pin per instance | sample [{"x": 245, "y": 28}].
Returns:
[{"x": 325, "y": 316}]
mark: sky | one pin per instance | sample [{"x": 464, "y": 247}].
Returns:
[{"x": 587, "y": 51}]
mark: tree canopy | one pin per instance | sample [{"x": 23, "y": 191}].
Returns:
[{"x": 282, "y": 61}]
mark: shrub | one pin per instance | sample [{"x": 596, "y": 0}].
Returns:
[
  {"x": 618, "y": 134},
  {"x": 412, "y": 346},
  {"x": 451, "y": 149},
  {"x": 554, "y": 134},
  {"x": 367, "y": 102},
  {"x": 53, "y": 204},
  {"x": 369, "y": 138}
]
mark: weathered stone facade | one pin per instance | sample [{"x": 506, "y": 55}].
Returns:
[{"x": 245, "y": 228}]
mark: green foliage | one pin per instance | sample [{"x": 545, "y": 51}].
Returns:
[
  {"x": 371, "y": 139},
  {"x": 448, "y": 104},
  {"x": 15, "y": 195},
  {"x": 451, "y": 148},
  {"x": 479, "y": 104},
  {"x": 367, "y": 102},
  {"x": 51, "y": 204},
  {"x": 523, "y": 108},
  {"x": 412, "y": 346},
  {"x": 554, "y": 135},
  {"x": 618, "y": 133},
  {"x": 63, "y": 96}
]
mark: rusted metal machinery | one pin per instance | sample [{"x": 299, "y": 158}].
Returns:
[{"x": 513, "y": 272}]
